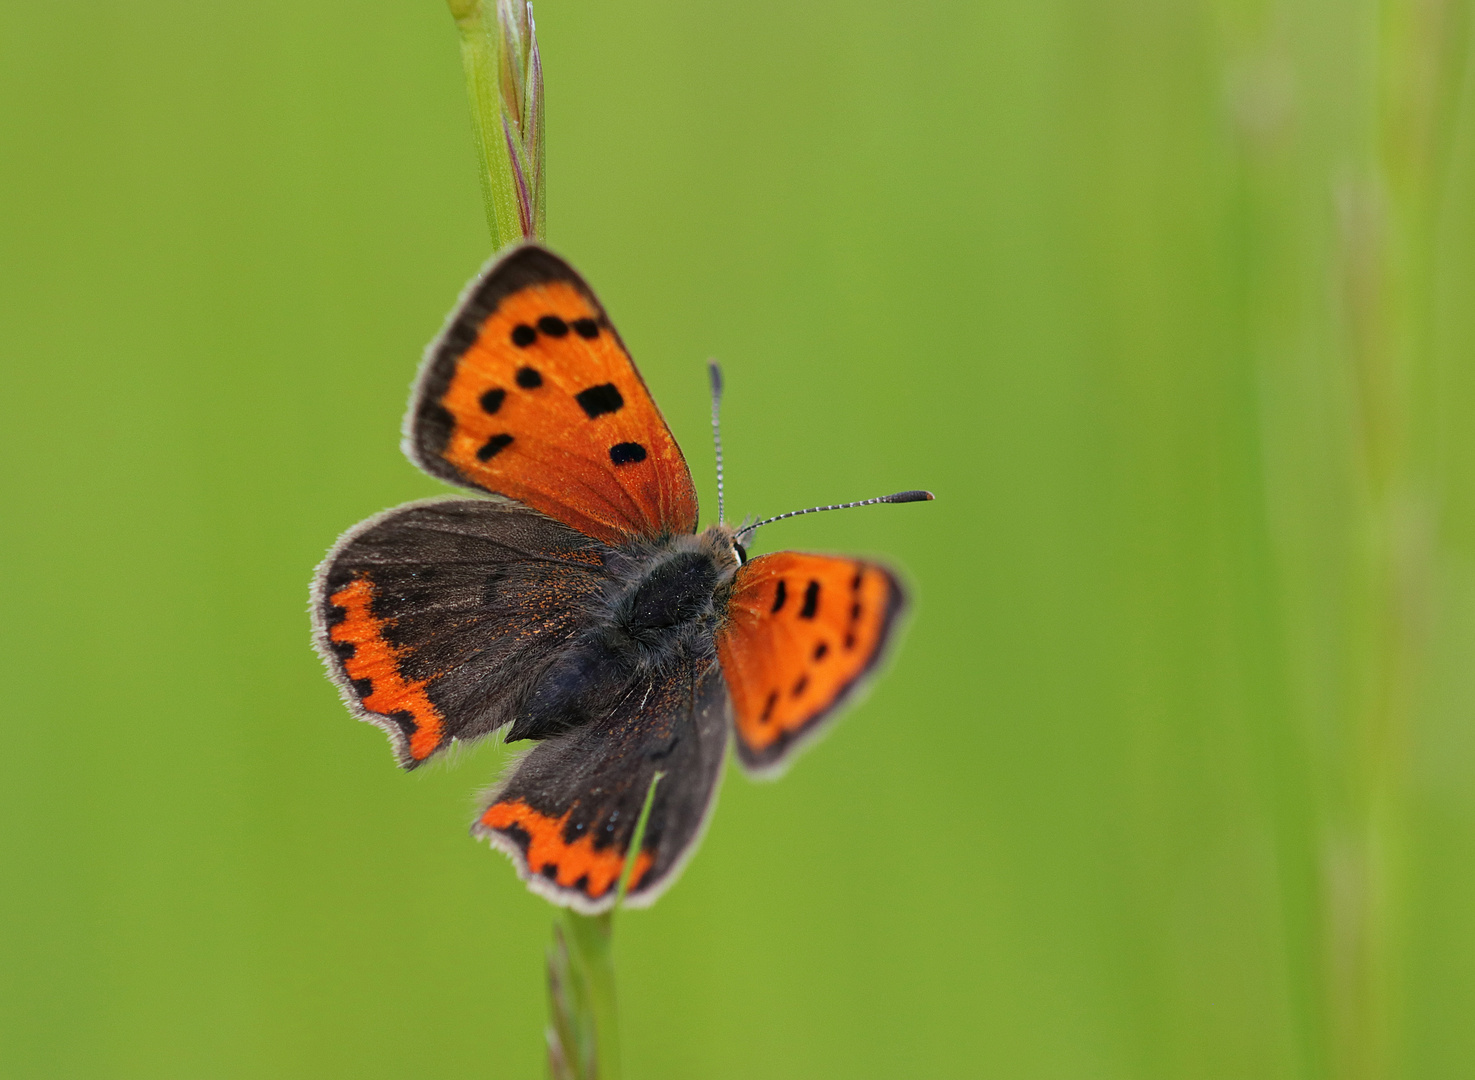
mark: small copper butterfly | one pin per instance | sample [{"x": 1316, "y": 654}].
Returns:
[{"x": 579, "y": 608}]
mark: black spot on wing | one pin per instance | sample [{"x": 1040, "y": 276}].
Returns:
[
  {"x": 626, "y": 453},
  {"x": 529, "y": 378},
  {"x": 821, "y": 650},
  {"x": 801, "y": 685},
  {"x": 493, "y": 446},
  {"x": 553, "y": 326},
  {"x": 811, "y": 600},
  {"x": 598, "y": 400},
  {"x": 780, "y": 594},
  {"x": 523, "y": 335},
  {"x": 586, "y": 328},
  {"x": 768, "y": 707},
  {"x": 492, "y": 400},
  {"x": 518, "y": 835}
]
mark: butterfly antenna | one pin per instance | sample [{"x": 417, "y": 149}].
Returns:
[
  {"x": 899, "y": 497},
  {"x": 716, "y": 373}
]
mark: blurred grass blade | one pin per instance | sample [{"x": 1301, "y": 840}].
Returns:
[
  {"x": 583, "y": 1029},
  {"x": 637, "y": 839},
  {"x": 570, "y": 1024},
  {"x": 504, "y": 82}
]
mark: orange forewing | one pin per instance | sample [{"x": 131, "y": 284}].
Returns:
[
  {"x": 529, "y": 393},
  {"x": 801, "y": 631}
]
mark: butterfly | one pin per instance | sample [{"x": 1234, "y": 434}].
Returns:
[{"x": 574, "y": 604}]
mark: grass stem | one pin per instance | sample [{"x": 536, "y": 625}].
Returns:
[
  {"x": 504, "y": 82},
  {"x": 584, "y": 1027}
]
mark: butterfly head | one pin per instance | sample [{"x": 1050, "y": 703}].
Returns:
[{"x": 721, "y": 541}]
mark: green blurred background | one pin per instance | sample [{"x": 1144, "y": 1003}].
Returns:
[{"x": 1170, "y": 303}]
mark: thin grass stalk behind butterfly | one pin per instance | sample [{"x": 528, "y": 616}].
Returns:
[
  {"x": 505, "y": 86},
  {"x": 504, "y": 83}
]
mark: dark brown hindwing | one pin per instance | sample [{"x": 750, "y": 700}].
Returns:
[
  {"x": 435, "y": 618},
  {"x": 567, "y": 812}
]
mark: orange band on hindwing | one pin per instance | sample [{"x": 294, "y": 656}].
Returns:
[
  {"x": 376, "y": 660},
  {"x": 577, "y": 865}
]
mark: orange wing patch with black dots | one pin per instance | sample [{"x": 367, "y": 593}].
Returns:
[
  {"x": 801, "y": 632},
  {"x": 529, "y": 393},
  {"x": 547, "y": 850},
  {"x": 372, "y": 663}
]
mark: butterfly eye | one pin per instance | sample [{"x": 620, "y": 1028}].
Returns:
[{"x": 742, "y": 552}]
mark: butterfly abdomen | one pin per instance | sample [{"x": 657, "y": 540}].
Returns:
[{"x": 577, "y": 687}]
